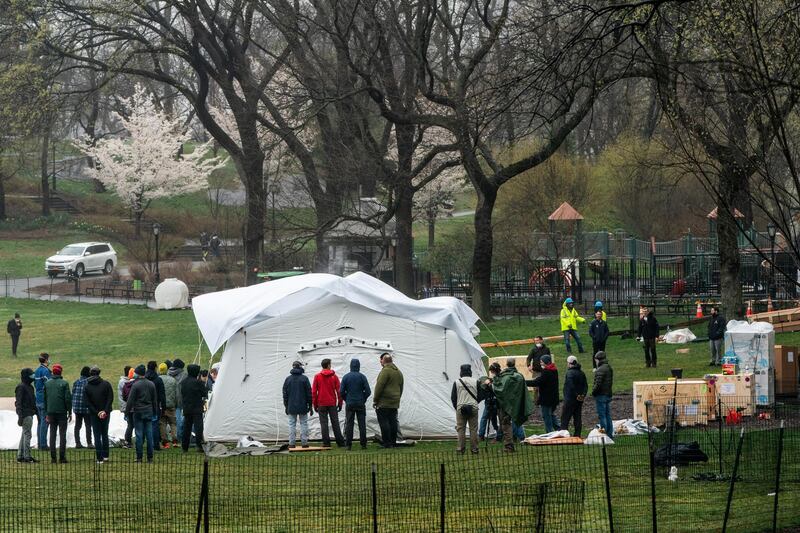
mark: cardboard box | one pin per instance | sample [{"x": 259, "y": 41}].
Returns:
[
  {"x": 787, "y": 370},
  {"x": 693, "y": 399},
  {"x": 521, "y": 368},
  {"x": 735, "y": 392}
]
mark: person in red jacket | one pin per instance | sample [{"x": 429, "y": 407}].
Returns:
[{"x": 327, "y": 402}]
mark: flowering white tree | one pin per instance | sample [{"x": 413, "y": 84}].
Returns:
[{"x": 147, "y": 161}]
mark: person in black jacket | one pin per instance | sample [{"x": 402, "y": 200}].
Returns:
[
  {"x": 598, "y": 331},
  {"x": 142, "y": 404},
  {"x": 193, "y": 395},
  {"x": 14, "y": 329},
  {"x": 547, "y": 383},
  {"x": 100, "y": 400},
  {"x": 25, "y": 403},
  {"x": 297, "y": 402},
  {"x": 575, "y": 389},
  {"x": 533, "y": 362},
  {"x": 716, "y": 331},
  {"x": 161, "y": 396},
  {"x": 648, "y": 333},
  {"x": 602, "y": 390},
  {"x": 355, "y": 391}
]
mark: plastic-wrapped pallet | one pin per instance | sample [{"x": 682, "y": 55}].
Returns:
[{"x": 754, "y": 345}]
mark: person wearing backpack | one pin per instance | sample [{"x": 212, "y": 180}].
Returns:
[{"x": 466, "y": 395}]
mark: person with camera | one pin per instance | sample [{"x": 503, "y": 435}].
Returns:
[{"x": 465, "y": 397}]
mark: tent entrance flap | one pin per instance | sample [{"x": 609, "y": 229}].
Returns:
[{"x": 345, "y": 341}]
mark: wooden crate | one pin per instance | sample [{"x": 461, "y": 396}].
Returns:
[
  {"x": 786, "y": 370},
  {"x": 521, "y": 368},
  {"x": 736, "y": 392},
  {"x": 692, "y": 400}
]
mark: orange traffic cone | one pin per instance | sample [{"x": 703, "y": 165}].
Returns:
[
  {"x": 699, "y": 313},
  {"x": 769, "y": 304},
  {"x": 749, "y": 311}
]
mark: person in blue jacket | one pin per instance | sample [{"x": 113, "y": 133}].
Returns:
[
  {"x": 355, "y": 391},
  {"x": 297, "y": 403},
  {"x": 40, "y": 377}
]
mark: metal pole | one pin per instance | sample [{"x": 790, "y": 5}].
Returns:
[
  {"x": 203, "y": 495},
  {"x": 733, "y": 482},
  {"x": 441, "y": 498},
  {"x": 158, "y": 273},
  {"x": 777, "y": 480},
  {"x": 647, "y": 405},
  {"x": 608, "y": 489},
  {"x": 719, "y": 430},
  {"x": 374, "y": 499},
  {"x": 772, "y": 268}
]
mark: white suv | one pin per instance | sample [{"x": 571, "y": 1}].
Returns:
[{"x": 82, "y": 257}]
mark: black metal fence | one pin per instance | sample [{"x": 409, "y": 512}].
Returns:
[{"x": 748, "y": 481}]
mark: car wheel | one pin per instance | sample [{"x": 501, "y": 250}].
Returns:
[
  {"x": 109, "y": 267},
  {"x": 79, "y": 270}
]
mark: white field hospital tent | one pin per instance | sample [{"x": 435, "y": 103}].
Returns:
[{"x": 311, "y": 317}]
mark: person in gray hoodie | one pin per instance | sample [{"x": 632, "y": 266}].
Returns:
[
  {"x": 168, "y": 423},
  {"x": 124, "y": 380},
  {"x": 355, "y": 390},
  {"x": 178, "y": 372}
]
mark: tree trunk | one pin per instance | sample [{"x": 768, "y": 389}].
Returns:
[
  {"x": 404, "y": 266},
  {"x": 43, "y": 163},
  {"x": 730, "y": 288},
  {"x": 431, "y": 230},
  {"x": 482, "y": 254},
  {"x": 256, "y": 216},
  {"x": 138, "y": 214}
]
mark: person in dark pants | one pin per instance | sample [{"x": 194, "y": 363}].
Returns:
[
  {"x": 14, "y": 329},
  {"x": 386, "y": 401},
  {"x": 297, "y": 403},
  {"x": 355, "y": 391},
  {"x": 58, "y": 404},
  {"x": 40, "y": 377},
  {"x": 99, "y": 401},
  {"x": 25, "y": 404},
  {"x": 547, "y": 383},
  {"x": 80, "y": 409},
  {"x": 142, "y": 403},
  {"x": 575, "y": 389},
  {"x": 648, "y": 333},
  {"x": 602, "y": 390},
  {"x": 123, "y": 390},
  {"x": 327, "y": 402},
  {"x": 153, "y": 376},
  {"x": 598, "y": 331},
  {"x": 193, "y": 394},
  {"x": 716, "y": 331}
]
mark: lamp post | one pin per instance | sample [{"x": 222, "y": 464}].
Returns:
[
  {"x": 772, "y": 230},
  {"x": 274, "y": 189},
  {"x": 156, "y": 232}
]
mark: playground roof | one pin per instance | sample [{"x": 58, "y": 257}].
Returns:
[
  {"x": 565, "y": 212},
  {"x": 713, "y": 214}
]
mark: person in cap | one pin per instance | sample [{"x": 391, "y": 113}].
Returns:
[
  {"x": 152, "y": 375},
  {"x": 297, "y": 403},
  {"x": 25, "y": 404},
  {"x": 386, "y": 400},
  {"x": 142, "y": 405},
  {"x": 602, "y": 389},
  {"x": 193, "y": 395},
  {"x": 599, "y": 332},
  {"x": 355, "y": 391},
  {"x": 569, "y": 324},
  {"x": 716, "y": 332},
  {"x": 14, "y": 329},
  {"x": 513, "y": 401},
  {"x": 598, "y": 306},
  {"x": 547, "y": 399},
  {"x": 178, "y": 372},
  {"x": 80, "y": 409},
  {"x": 327, "y": 401},
  {"x": 58, "y": 404},
  {"x": 168, "y": 424},
  {"x": 575, "y": 389},
  {"x": 465, "y": 396},
  {"x": 40, "y": 377},
  {"x": 99, "y": 402}
]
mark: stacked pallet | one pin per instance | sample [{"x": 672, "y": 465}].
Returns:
[{"x": 784, "y": 321}]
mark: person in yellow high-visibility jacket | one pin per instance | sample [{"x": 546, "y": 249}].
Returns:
[{"x": 569, "y": 324}]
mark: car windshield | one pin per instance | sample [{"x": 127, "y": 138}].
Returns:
[{"x": 71, "y": 250}]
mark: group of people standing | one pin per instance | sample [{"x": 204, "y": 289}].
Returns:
[
  {"x": 161, "y": 403},
  {"x": 326, "y": 395}
]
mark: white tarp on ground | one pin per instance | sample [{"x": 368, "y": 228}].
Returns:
[
  {"x": 10, "y": 432},
  {"x": 679, "y": 336},
  {"x": 317, "y": 316}
]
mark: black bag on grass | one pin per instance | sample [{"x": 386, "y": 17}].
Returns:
[{"x": 682, "y": 454}]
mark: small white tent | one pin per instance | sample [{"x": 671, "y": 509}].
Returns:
[{"x": 316, "y": 316}]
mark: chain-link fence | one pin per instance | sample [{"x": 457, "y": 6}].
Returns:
[{"x": 727, "y": 472}]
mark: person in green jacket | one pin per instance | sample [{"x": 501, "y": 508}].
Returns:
[
  {"x": 58, "y": 407},
  {"x": 513, "y": 401},
  {"x": 569, "y": 324},
  {"x": 386, "y": 400}
]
